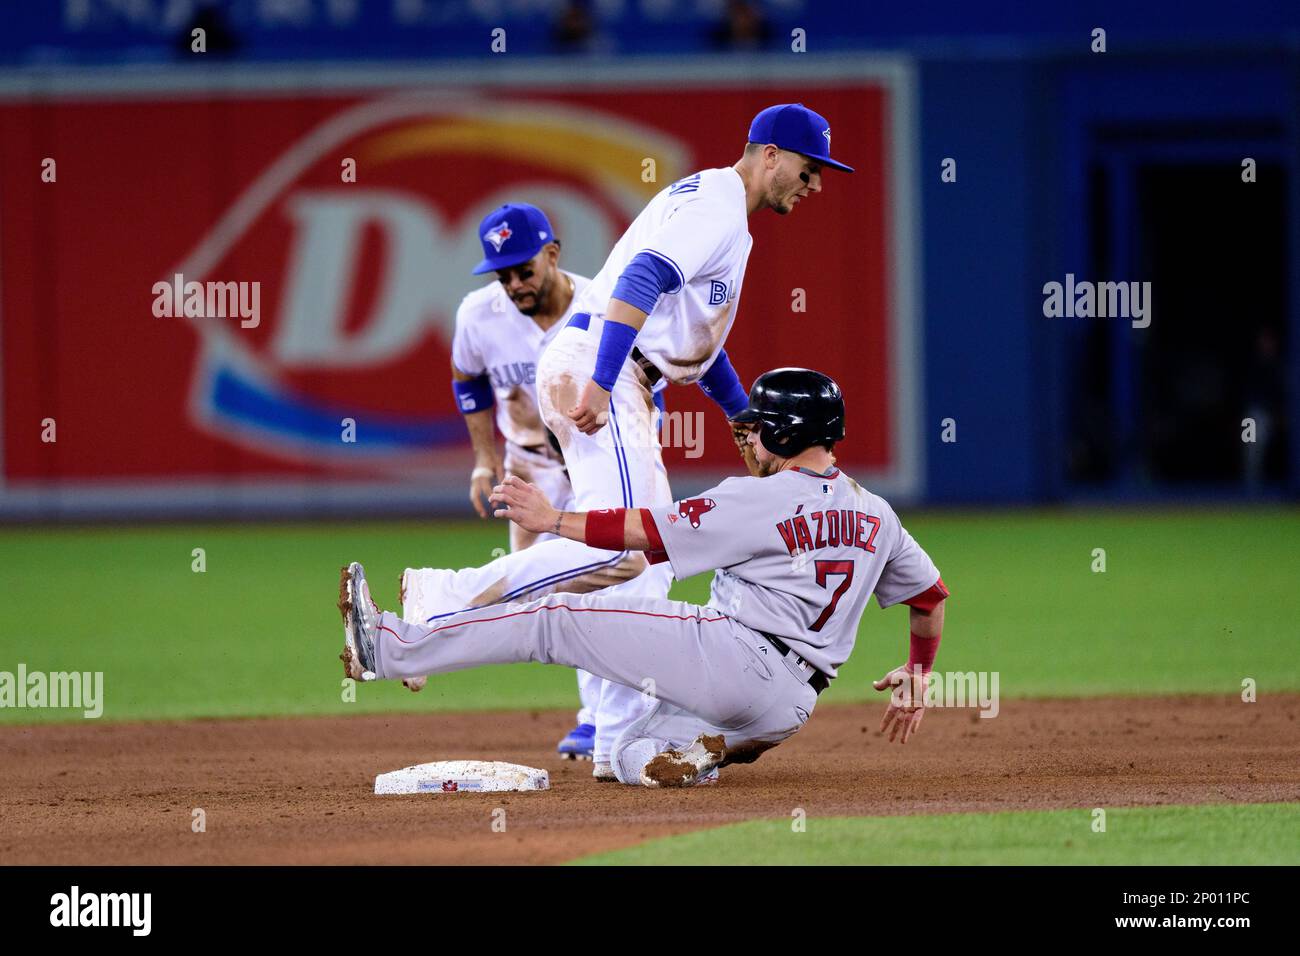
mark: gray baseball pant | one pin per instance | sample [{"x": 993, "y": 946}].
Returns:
[{"x": 709, "y": 673}]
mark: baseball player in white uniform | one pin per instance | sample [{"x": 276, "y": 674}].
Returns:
[
  {"x": 501, "y": 330},
  {"x": 799, "y": 550},
  {"x": 658, "y": 311}
]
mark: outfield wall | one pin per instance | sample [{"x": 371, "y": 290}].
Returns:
[
  {"x": 337, "y": 391},
  {"x": 923, "y": 296}
]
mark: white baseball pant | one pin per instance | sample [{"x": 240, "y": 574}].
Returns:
[
  {"x": 546, "y": 470},
  {"x": 621, "y": 466}
]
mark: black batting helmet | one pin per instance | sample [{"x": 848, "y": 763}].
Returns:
[{"x": 796, "y": 408}]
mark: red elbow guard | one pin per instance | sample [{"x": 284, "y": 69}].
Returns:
[
  {"x": 655, "y": 554},
  {"x": 930, "y": 598},
  {"x": 604, "y": 529}
]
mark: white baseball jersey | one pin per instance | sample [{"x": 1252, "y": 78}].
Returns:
[
  {"x": 798, "y": 555},
  {"x": 493, "y": 336},
  {"x": 699, "y": 226}
]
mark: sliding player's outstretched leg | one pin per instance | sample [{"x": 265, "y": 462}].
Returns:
[{"x": 710, "y": 669}]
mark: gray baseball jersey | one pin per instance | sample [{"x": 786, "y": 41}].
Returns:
[{"x": 798, "y": 555}]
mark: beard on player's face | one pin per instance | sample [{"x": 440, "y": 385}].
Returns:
[
  {"x": 766, "y": 462},
  {"x": 781, "y": 193},
  {"x": 531, "y": 302}
]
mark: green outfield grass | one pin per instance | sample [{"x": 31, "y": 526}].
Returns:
[
  {"x": 1256, "y": 834},
  {"x": 1190, "y": 602}
]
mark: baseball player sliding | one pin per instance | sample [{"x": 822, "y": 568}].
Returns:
[
  {"x": 800, "y": 548},
  {"x": 658, "y": 311},
  {"x": 501, "y": 330}
]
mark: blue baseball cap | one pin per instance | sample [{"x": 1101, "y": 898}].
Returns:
[
  {"x": 795, "y": 127},
  {"x": 512, "y": 234}
]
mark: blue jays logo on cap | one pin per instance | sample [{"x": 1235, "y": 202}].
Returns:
[
  {"x": 498, "y": 234},
  {"x": 511, "y": 235},
  {"x": 795, "y": 127}
]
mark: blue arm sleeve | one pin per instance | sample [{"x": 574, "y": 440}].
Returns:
[
  {"x": 615, "y": 346},
  {"x": 722, "y": 384},
  {"x": 644, "y": 279},
  {"x": 474, "y": 395}
]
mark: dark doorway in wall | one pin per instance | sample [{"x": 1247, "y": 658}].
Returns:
[
  {"x": 1162, "y": 408},
  {"x": 1215, "y": 250}
]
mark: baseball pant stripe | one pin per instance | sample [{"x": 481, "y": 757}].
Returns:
[
  {"x": 559, "y": 607},
  {"x": 700, "y": 660},
  {"x": 624, "y": 473},
  {"x": 556, "y": 578}
]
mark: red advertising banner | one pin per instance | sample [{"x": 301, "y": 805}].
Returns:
[{"x": 335, "y": 299}]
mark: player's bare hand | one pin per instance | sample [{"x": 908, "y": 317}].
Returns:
[
  {"x": 592, "y": 410},
  {"x": 481, "y": 480},
  {"x": 524, "y": 504},
  {"x": 906, "y": 702}
]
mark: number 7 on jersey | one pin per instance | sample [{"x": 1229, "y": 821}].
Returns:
[{"x": 824, "y": 570}]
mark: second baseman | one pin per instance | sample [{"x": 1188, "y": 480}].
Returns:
[{"x": 501, "y": 330}]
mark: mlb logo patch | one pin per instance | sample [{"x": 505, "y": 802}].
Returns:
[
  {"x": 498, "y": 235},
  {"x": 826, "y": 488}
]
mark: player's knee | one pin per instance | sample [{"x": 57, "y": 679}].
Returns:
[
  {"x": 625, "y": 570},
  {"x": 556, "y": 394}
]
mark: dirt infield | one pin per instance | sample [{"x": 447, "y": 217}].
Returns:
[{"x": 299, "y": 790}]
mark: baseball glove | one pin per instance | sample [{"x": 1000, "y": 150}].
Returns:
[{"x": 740, "y": 435}]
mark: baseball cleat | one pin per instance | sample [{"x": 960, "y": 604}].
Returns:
[
  {"x": 580, "y": 744},
  {"x": 603, "y": 772},
  {"x": 360, "y": 623},
  {"x": 685, "y": 768}
]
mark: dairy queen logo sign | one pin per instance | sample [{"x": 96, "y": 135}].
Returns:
[{"x": 359, "y": 280}]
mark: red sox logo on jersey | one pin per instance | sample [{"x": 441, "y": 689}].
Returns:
[{"x": 693, "y": 509}]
